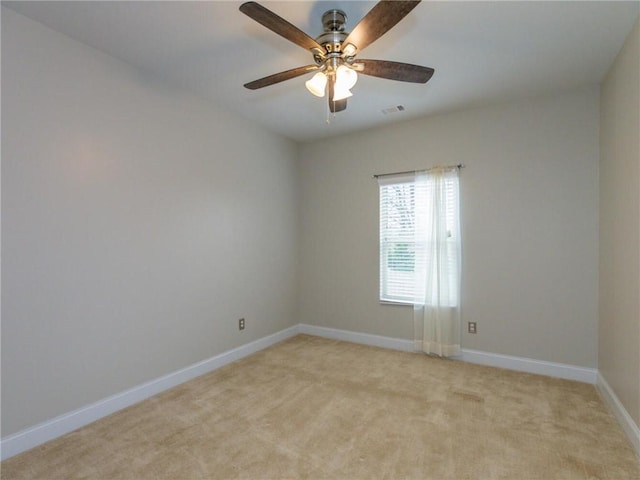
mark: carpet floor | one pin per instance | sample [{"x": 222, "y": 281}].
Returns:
[{"x": 323, "y": 409}]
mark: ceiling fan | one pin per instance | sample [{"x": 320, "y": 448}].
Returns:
[{"x": 334, "y": 51}]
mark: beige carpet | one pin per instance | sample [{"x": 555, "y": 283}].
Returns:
[{"x": 317, "y": 408}]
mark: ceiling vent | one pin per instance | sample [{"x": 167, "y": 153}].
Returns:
[{"x": 394, "y": 109}]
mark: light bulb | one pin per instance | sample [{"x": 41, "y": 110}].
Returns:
[
  {"x": 345, "y": 77},
  {"x": 317, "y": 84}
]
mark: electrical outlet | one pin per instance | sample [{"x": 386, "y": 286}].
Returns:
[
  {"x": 241, "y": 324},
  {"x": 472, "y": 327}
]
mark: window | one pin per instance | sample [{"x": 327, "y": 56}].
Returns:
[{"x": 411, "y": 213}]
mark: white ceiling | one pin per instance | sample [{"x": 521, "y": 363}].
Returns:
[{"x": 482, "y": 52}]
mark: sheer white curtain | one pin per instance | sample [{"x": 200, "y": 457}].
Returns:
[{"x": 437, "y": 262}]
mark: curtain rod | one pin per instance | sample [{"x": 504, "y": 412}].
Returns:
[{"x": 458, "y": 166}]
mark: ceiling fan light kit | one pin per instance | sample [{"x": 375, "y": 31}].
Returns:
[
  {"x": 334, "y": 51},
  {"x": 345, "y": 79}
]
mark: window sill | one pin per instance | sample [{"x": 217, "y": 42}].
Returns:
[{"x": 398, "y": 304}]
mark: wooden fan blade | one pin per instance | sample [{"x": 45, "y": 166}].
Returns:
[
  {"x": 280, "y": 77},
  {"x": 279, "y": 25},
  {"x": 404, "y": 72},
  {"x": 378, "y": 21},
  {"x": 338, "y": 105}
]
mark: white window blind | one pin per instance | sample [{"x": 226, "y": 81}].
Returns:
[
  {"x": 397, "y": 239},
  {"x": 400, "y": 246}
]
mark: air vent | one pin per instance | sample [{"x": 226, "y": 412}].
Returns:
[{"x": 394, "y": 109}]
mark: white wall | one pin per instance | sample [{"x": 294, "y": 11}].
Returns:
[
  {"x": 530, "y": 224},
  {"x": 138, "y": 225},
  {"x": 619, "y": 327}
]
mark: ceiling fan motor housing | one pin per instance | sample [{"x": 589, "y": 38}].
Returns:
[{"x": 333, "y": 22}]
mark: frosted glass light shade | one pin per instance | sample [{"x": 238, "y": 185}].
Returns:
[
  {"x": 346, "y": 77},
  {"x": 317, "y": 84},
  {"x": 340, "y": 93}
]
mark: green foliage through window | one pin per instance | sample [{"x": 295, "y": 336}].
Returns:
[{"x": 401, "y": 258}]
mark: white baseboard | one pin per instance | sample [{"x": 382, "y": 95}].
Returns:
[
  {"x": 624, "y": 419},
  {"x": 32, "y": 437},
  {"x": 356, "y": 337},
  {"x": 529, "y": 365}
]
